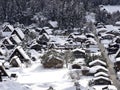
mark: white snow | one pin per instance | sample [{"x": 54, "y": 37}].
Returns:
[
  {"x": 80, "y": 61},
  {"x": 20, "y": 49},
  {"x": 97, "y": 67},
  {"x": 20, "y": 33},
  {"x": 97, "y": 61},
  {"x": 58, "y": 39},
  {"x": 111, "y": 8},
  {"x": 100, "y": 87},
  {"x": 101, "y": 73},
  {"x": 40, "y": 79},
  {"x": 11, "y": 85},
  {"x": 78, "y": 49}
]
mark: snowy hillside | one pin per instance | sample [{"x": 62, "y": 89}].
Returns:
[{"x": 110, "y": 8}]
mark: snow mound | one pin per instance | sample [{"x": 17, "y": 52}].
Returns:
[{"x": 10, "y": 85}]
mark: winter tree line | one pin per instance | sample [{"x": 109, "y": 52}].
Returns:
[{"x": 69, "y": 13}]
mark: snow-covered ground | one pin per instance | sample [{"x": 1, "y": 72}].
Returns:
[
  {"x": 42, "y": 79},
  {"x": 11, "y": 85},
  {"x": 38, "y": 78},
  {"x": 110, "y": 8}
]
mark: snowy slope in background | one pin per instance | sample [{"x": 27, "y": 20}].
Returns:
[
  {"x": 11, "y": 85},
  {"x": 110, "y": 8}
]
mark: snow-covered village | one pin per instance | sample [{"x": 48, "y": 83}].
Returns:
[{"x": 59, "y": 45}]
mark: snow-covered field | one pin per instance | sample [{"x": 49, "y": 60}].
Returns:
[
  {"x": 110, "y": 8},
  {"x": 38, "y": 78},
  {"x": 41, "y": 79}
]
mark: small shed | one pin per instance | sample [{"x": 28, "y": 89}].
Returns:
[
  {"x": 43, "y": 39},
  {"x": 76, "y": 66}
]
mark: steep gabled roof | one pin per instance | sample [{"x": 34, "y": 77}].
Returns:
[
  {"x": 101, "y": 73},
  {"x": 19, "y": 32},
  {"x": 21, "y": 51},
  {"x": 101, "y": 77},
  {"x": 17, "y": 60},
  {"x": 78, "y": 49},
  {"x": 54, "y": 24},
  {"x": 9, "y": 26},
  {"x": 94, "y": 69},
  {"x": 97, "y": 61},
  {"x": 8, "y": 40},
  {"x": 16, "y": 38},
  {"x": 44, "y": 35}
]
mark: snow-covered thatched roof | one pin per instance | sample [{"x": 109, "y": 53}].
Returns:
[
  {"x": 9, "y": 26},
  {"x": 8, "y": 40},
  {"x": 101, "y": 77},
  {"x": 16, "y": 38},
  {"x": 98, "y": 67},
  {"x": 20, "y": 49},
  {"x": 78, "y": 49},
  {"x": 19, "y": 32},
  {"x": 97, "y": 61},
  {"x": 101, "y": 73},
  {"x": 54, "y": 24}
]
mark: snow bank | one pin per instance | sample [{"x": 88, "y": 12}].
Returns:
[{"x": 10, "y": 85}]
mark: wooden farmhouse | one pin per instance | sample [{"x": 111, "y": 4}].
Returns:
[{"x": 21, "y": 54}]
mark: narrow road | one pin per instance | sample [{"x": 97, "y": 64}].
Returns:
[{"x": 112, "y": 73}]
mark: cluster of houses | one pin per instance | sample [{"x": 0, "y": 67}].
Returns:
[
  {"x": 109, "y": 37},
  {"x": 97, "y": 69},
  {"x": 16, "y": 43}
]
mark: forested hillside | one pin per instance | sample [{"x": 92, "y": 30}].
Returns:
[{"x": 67, "y": 12}]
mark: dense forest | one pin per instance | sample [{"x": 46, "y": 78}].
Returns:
[{"x": 66, "y": 12}]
